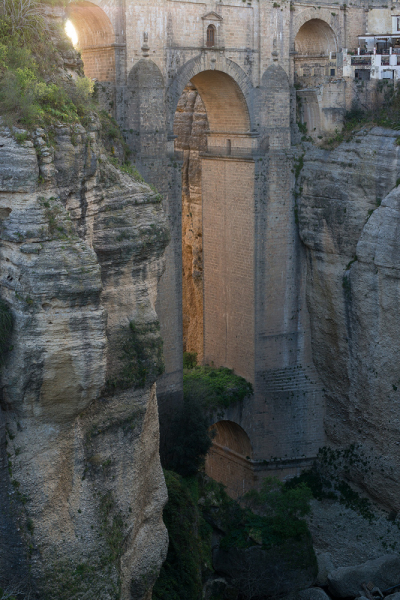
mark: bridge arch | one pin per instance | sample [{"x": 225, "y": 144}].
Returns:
[
  {"x": 217, "y": 220},
  {"x": 315, "y": 44},
  {"x": 229, "y": 459},
  {"x": 96, "y": 39},
  {"x": 225, "y": 104},
  {"x": 233, "y": 79},
  {"x": 322, "y": 15},
  {"x": 315, "y": 38}
]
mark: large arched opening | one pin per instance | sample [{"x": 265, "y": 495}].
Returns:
[
  {"x": 229, "y": 460},
  {"x": 315, "y": 60},
  {"x": 95, "y": 40},
  {"x": 212, "y": 129}
]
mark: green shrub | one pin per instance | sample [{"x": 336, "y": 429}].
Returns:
[
  {"x": 214, "y": 388},
  {"x": 355, "y": 115},
  {"x": 31, "y": 91},
  {"x": 205, "y": 390},
  {"x": 189, "y": 543},
  {"x": 141, "y": 357},
  {"x": 271, "y": 516},
  {"x": 191, "y": 438},
  {"x": 302, "y": 127},
  {"x": 197, "y": 505},
  {"x": 325, "y": 478},
  {"x": 189, "y": 360},
  {"x": 23, "y": 19}
]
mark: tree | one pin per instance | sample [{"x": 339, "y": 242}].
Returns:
[{"x": 191, "y": 438}]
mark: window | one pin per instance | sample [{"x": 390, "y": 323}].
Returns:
[
  {"x": 362, "y": 74},
  {"x": 210, "y": 36},
  {"x": 398, "y": 23},
  {"x": 332, "y": 72}
]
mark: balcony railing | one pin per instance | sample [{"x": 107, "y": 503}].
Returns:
[{"x": 361, "y": 60}]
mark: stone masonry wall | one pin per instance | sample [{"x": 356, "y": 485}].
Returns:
[{"x": 228, "y": 247}]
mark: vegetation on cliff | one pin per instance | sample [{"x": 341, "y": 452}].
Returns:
[
  {"x": 192, "y": 439},
  {"x": 263, "y": 531},
  {"x": 214, "y": 388},
  {"x": 42, "y": 82},
  {"x": 189, "y": 551},
  {"x": 6, "y": 327},
  {"x": 327, "y": 478},
  {"x": 386, "y": 114},
  {"x": 141, "y": 357},
  {"x": 269, "y": 521},
  {"x": 207, "y": 391},
  {"x": 33, "y": 89}
]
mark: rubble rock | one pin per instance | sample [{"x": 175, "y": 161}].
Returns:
[
  {"x": 312, "y": 594},
  {"x": 347, "y": 582}
]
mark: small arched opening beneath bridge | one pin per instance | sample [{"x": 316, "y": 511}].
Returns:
[
  {"x": 96, "y": 40},
  {"x": 229, "y": 460}
]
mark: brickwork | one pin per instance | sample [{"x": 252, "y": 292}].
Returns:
[
  {"x": 99, "y": 63},
  {"x": 356, "y": 21},
  {"x": 275, "y": 110},
  {"x": 317, "y": 20},
  {"x": 314, "y": 44}
]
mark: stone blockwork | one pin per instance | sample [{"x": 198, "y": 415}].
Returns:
[
  {"x": 81, "y": 254},
  {"x": 229, "y": 265},
  {"x": 349, "y": 214}
]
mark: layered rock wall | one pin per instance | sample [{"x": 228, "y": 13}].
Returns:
[
  {"x": 81, "y": 252},
  {"x": 349, "y": 215},
  {"x": 191, "y": 125}
]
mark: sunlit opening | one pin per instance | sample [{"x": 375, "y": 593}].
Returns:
[{"x": 71, "y": 32}]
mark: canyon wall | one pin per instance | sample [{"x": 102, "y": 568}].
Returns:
[
  {"x": 81, "y": 253},
  {"x": 191, "y": 125},
  {"x": 349, "y": 218}
]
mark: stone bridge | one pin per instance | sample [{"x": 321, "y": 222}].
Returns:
[{"x": 240, "y": 57}]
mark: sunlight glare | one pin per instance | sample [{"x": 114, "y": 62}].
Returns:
[{"x": 71, "y": 33}]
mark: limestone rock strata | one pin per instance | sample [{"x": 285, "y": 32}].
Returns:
[
  {"x": 349, "y": 218},
  {"x": 191, "y": 125},
  {"x": 81, "y": 252}
]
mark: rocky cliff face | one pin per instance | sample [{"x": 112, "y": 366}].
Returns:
[
  {"x": 349, "y": 218},
  {"x": 191, "y": 125},
  {"x": 81, "y": 252}
]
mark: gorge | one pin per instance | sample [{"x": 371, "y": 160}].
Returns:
[{"x": 215, "y": 196}]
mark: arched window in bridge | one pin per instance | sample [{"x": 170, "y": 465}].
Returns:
[{"x": 210, "y": 36}]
